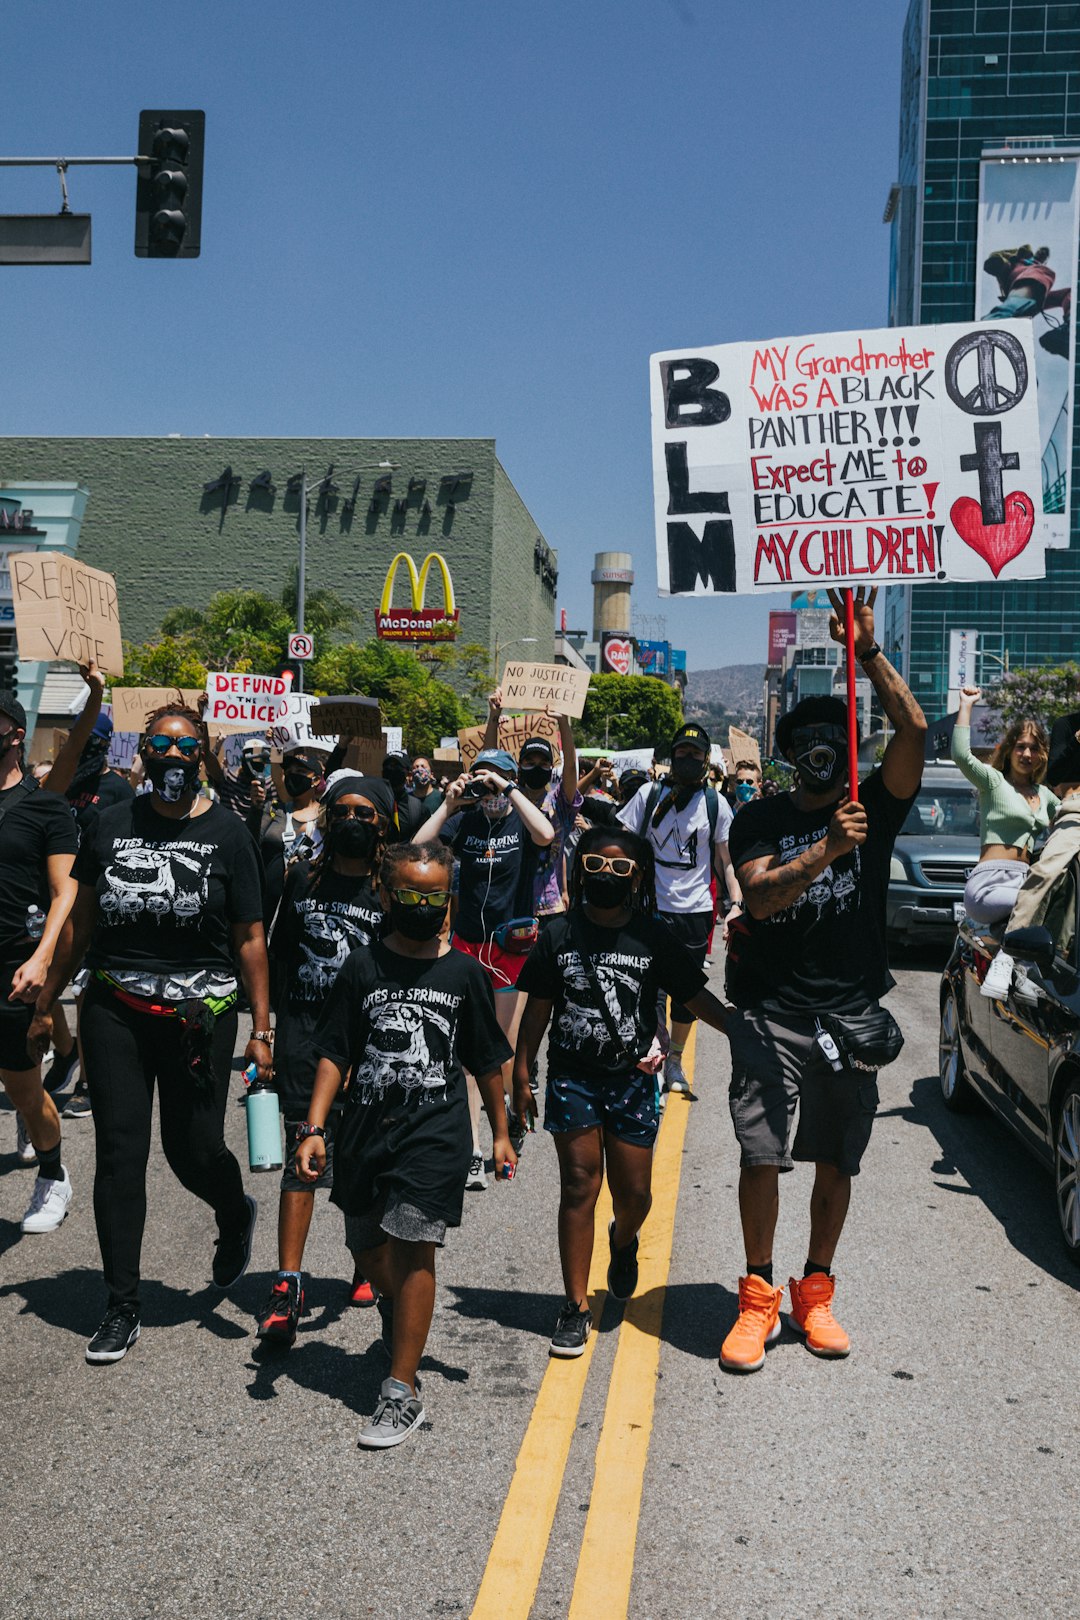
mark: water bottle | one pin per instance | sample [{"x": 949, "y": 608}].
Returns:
[
  {"x": 35, "y": 922},
  {"x": 263, "y": 1128}
]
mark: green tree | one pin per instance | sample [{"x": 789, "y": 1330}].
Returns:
[
  {"x": 629, "y": 711},
  {"x": 1037, "y": 694},
  {"x": 169, "y": 661},
  {"x": 410, "y": 695}
]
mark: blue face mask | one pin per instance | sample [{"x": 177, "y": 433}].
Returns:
[{"x": 745, "y": 791}]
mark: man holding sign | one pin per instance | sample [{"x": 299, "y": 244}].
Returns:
[{"x": 807, "y": 964}]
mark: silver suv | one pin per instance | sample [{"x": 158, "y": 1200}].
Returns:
[{"x": 933, "y": 857}]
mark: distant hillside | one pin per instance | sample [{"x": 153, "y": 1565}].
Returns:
[{"x": 728, "y": 696}]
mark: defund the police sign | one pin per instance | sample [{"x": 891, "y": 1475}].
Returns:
[{"x": 901, "y": 456}]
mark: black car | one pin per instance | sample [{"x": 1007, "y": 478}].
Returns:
[{"x": 1021, "y": 1054}]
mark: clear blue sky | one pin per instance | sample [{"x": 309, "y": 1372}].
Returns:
[{"x": 455, "y": 217}]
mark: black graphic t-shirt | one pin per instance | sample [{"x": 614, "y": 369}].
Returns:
[
  {"x": 407, "y": 1028},
  {"x": 168, "y": 891},
  {"x": 102, "y": 794},
  {"x": 37, "y": 825},
  {"x": 633, "y": 964},
  {"x": 319, "y": 924},
  {"x": 827, "y": 951},
  {"x": 498, "y": 859}
]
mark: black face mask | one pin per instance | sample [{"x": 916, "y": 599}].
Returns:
[
  {"x": 355, "y": 839},
  {"x": 172, "y": 778},
  {"x": 819, "y": 758},
  {"x": 395, "y": 774},
  {"x": 607, "y": 891},
  {"x": 416, "y": 922},
  {"x": 687, "y": 770},
  {"x": 297, "y": 782},
  {"x": 536, "y": 776}
]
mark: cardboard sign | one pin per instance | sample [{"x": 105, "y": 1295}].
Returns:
[
  {"x": 123, "y": 750},
  {"x": 132, "y": 704},
  {"x": 743, "y": 748},
  {"x": 63, "y": 609},
  {"x": 365, "y": 755},
  {"x": 292, "y": 728},
  {"x": 347, "y": 717},
  {"x": 546, "y": 686},
  {"x": 514, "y": 730},
  {"x": 905, "y": 456},
  {"x": 243, "y": 701}
]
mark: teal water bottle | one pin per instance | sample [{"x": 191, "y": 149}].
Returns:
[{"x": 263, "y": 1128}]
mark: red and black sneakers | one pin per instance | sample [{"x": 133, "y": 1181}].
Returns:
[{"x": 281, "y": 1314}]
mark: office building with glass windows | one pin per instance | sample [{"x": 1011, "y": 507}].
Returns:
[{"x": 984, "y": 222}]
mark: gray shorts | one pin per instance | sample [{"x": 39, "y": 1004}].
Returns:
[
  {"x": 777, "y": 1064},
  {"x": 397, "y": 1219}
]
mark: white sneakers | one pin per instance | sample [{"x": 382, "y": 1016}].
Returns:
[
  {"x": 476, "y": 1180},
  {"x": 998, "y": 980},
  {"x": 48, "y": 1205}
]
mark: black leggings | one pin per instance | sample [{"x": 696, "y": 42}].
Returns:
[{"x": 126, "y": 1051}]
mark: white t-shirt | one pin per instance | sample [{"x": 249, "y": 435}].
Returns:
[{"x": 681, "y": 846}]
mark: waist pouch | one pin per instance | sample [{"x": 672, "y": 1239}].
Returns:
[
  {"x": 867, "y": 1040},
  {"x": 518, "y": 936},
  {"x": 197, "y": 1021}
]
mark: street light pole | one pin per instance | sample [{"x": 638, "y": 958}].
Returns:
[{"x": 301, "y": 571}]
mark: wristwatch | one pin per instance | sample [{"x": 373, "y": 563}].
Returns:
[
  {"x": 871, "y": 652},
  {"x": 305, "y": 1130}
]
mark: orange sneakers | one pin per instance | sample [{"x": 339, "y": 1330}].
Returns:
[
  {"x": 758, "y": 1324},
  {"x": 811, "y": 1314}
]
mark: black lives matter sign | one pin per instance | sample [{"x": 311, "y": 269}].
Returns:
[{"x": 903, "y": 456}]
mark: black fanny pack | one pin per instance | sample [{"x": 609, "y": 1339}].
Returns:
[{"x": 867, "y": 1040}]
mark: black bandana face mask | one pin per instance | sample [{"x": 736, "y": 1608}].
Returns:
[
  {"x": 688, "y": 769},
  {"x": 536, "y": 776},
  {"x": 605, "y": 890},
  {"x": 416, "y": 922},
  {"x": 819, "y": 753},
  {"x": 172, "y": 778}
]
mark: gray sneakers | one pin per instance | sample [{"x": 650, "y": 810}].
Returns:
[{"x": 398, "y": 1413}]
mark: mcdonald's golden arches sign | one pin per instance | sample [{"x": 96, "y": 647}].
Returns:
[{"x": 417, "y": 622}]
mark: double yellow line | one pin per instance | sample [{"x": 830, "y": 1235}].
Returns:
[{"x": 605, "y": 1567}]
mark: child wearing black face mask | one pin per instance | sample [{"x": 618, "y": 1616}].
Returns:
[
  {"x": 328, "y": 908},
  {"x": 599, "y": 970},
  {"x": 405, "y": 1015}
]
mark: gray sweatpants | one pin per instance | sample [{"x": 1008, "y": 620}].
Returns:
[{"x": 992, "y": 888}]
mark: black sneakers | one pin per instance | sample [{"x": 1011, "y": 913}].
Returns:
[
  {"x": 78, "y": 1104},
  {"x": 571, "y": 1330},
  {"x": 232, "y": 1250},
  {"x": 281, "y": 1314},
  {"x": 622, "y": 1273},
  {"x": 116, "y": 1335}
]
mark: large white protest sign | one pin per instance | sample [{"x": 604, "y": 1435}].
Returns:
[
  {"x": 245, "y": 700},
  {"x": 292, "y": 728},
  {"x": 905, "y": 456}
]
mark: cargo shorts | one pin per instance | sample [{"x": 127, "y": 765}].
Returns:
[{"x": 778, "y": 1069}]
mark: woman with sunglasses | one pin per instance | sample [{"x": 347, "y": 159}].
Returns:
[
  {"x": 329, "y": 907},
  {"x": 406, "y": 1015},
  {"x": 168, "y": 914},
  {"x": 599, "y": 970}
]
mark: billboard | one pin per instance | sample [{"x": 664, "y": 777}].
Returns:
[
  {"x": 903, "y": 456},
  {"x": 616, "y": 653},
  {"x": 652, "y": 657},
  {"x": 1028, "y": 222},
  {"x": 781, "y": 635},
  {"x": 417, "y": 622}
]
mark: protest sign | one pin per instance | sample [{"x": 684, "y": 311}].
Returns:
[
  {"x": 742, "y": 748},
  {"x": 856, "y": 458},
  {"x": 365, "y": 755},
  {"x": 546, "y": 686},
  {"x": 292, "y": 728},
  {"x": 346, "y": 717},
  {"x": 447, "y": 756},
  {"x": 130, "y": 705},
  {"x": 239, "y": 702},
  {"x": 514, "y": 730},
  {"x": 63, "y": 609},
  {"x": 123, "y": 749}
]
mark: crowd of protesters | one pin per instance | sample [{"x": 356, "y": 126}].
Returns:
[{"x": 405, "y": 946}]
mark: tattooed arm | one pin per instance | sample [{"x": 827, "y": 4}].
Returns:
[
  {"x": 902, "y": 767},
  {"x": 769, "y": 886}
]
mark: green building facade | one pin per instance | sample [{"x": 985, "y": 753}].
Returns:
[{"x": 176, "y": 519}]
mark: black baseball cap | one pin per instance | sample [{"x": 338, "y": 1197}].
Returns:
[
  {"x": 692, "y": 733},
  {"x": 538, "y": 745},
  {"x": 10, "y": 705}
]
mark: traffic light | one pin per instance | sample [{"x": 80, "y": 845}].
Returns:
[
  {"x": 168, "y": 196},
  {"x": 9, "y": 669}
]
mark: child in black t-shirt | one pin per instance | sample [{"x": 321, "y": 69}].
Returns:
[
  {"x": 404, "y": 1015},
  {"x": 599, "y": 970}
]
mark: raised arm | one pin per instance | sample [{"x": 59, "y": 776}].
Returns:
[
  {"x": 569, "y": 759},
  {"x": 976, "y": 770},
  {"x": 491, "y": 728},
  {"x": 902, "y": 766},
  {"x": 66, "y": 762}
]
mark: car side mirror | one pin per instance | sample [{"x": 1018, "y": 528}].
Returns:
[{"x": 1032, "y": 945}]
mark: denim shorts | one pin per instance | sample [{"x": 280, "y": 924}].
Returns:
[
  {"x": 778, "y": 1067},
  {"x": 290, "y": 1181},
  {"x": 627, "y": 1105}
]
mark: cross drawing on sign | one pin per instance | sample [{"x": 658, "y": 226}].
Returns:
[{"x": 301, "y": 646}]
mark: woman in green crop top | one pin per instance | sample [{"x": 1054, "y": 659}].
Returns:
[{"x": 1014, "y": 809}]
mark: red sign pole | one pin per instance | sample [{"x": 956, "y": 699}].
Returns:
[{"x": 852, "y": 713}]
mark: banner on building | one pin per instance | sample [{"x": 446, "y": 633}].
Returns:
[
  {"x": 616, "y": 653},
  {"x": 65, "y": 610},
  {"x": 812, "y": 628},
  {"x": 546, "y": 686},
  {"x": 418, "y": 622},
  {"x": 1029, "y": 216},
  {"x": 781, "y": 635},
  {"x": 653, "y": 657},
  {"x": 903, "y": 456},
  {"x": 963, "y": 646},
  {"x": 243, "y": 701}
]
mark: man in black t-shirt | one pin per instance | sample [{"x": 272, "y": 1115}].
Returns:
[{"x": 813, "y": 866}]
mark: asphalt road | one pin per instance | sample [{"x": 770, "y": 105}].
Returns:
[{"x": 932, "y": 1473}]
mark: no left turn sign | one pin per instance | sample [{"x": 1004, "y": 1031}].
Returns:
[{"x": 301, "y": 646}]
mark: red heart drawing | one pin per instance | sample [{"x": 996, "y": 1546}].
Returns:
[
  {"x": 618, "y": 655},
  {"x": 998, "y": 543}
]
